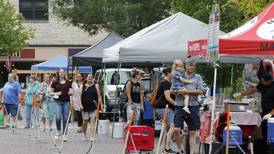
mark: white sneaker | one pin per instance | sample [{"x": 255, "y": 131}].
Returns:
[
  {"x": 85, "y": 138},
  {"x": 13, "y": 129},
  {"x": 65, "y": 138},
  {"x": 58, "y": 134},
  {"x": 91, "y": 139}
]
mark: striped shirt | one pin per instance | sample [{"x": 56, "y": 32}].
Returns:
[{"x": 196, "y": 85}]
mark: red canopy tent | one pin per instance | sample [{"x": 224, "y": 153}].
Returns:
[{"x": 255, "y": 38}]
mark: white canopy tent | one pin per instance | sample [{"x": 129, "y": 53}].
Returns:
[
  {"x": 111, "y": 54},
  {"x": 163, "y": 42}
]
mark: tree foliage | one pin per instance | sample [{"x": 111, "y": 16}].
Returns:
[
  {"x": 251, "y": 8},
  {"x": 233, "y": 12},
  {"x": 231, "y": 15},
  {"x": 123, "y": 16},
  {"x": 13, "y": 35}
]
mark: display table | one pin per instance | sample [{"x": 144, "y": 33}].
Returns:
[{"x": 246, "y": 120}]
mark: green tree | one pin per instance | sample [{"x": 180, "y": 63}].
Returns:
[
  {"x": 233, "y": 12},
  {"x": 251, "y": 8},
  {"x": 123, "y": 16},
  {"x": 231, "y": 15},
  {"x": 13, "y": 35}
]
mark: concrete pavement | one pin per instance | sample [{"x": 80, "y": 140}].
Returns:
[{"x": 21, "y": 143}]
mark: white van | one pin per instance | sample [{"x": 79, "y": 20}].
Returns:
[{"x": 112, "y": 76}]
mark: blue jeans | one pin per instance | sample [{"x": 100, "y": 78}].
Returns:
[
  {"x": 61, "y": 112},
  {"x": 28, "y": 110}
]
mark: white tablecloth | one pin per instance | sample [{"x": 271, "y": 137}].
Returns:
[{"x": 246, "y": 118}]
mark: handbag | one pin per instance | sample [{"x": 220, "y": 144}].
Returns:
[{"x": 153, "y": 101}]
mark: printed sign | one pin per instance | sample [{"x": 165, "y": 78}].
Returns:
[{"x": 197, "y": 47}]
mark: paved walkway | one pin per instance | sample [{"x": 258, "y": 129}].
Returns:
[{"x": 21, "y": 143}]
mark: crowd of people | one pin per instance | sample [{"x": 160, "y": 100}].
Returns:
[
  {"x": 54, "y": 99},
  {"x": 179, "y": 89}
]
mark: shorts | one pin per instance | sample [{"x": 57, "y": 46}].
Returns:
[
  {"x": 87, "y": 115},
  {"x": 10, "y": 109},
  {"x": 192, "y": 120},
  {"x": 169, "y": 116}
]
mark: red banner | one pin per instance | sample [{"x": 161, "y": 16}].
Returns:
[{"x": 197, "y": 47}]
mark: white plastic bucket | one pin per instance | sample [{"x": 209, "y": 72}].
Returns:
[
  {"x": 103, "y": 127},
  {"x": 118, "y": 130},
  {"x": 110, "y": 129},
  {"x": 157, "y": 125}
]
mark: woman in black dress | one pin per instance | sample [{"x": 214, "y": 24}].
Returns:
[{"x": 89, "y": 97}]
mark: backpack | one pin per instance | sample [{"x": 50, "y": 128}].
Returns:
[{"x": 124, "y": 94}]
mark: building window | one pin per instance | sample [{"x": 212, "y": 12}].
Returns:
[
  {"x": 28, "y": 53},
  {"x": 16, "y": 54},
  {"x": 34, "y": 9},
  {"x": 73, "y": 51}
]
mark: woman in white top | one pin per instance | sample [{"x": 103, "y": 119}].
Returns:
[{"x": 75, "y": 88}]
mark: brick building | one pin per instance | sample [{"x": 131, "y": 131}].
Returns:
[{"x": 52, "y": 36}]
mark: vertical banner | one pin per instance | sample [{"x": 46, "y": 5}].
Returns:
[
  {"x": 212, "y": 56},
  {"x": 213, "y": 34}
]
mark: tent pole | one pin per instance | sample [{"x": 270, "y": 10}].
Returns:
[
  {"x": 68, "y": 67},
  {"x": 234, "y": 78},
  {"x": 157, "y": 77},
  {"x": 116, "y": 94},
  {"x": 104, "y": 85},
  {"x": 213, "y": 107}
]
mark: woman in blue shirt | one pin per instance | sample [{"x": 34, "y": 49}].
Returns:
[{"x": 11, "y": 94}]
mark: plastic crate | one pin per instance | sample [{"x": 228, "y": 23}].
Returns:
[{"x": 141, "y": 138}]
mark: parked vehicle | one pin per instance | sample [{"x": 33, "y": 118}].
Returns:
[{"x": 113, "y": 81}]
